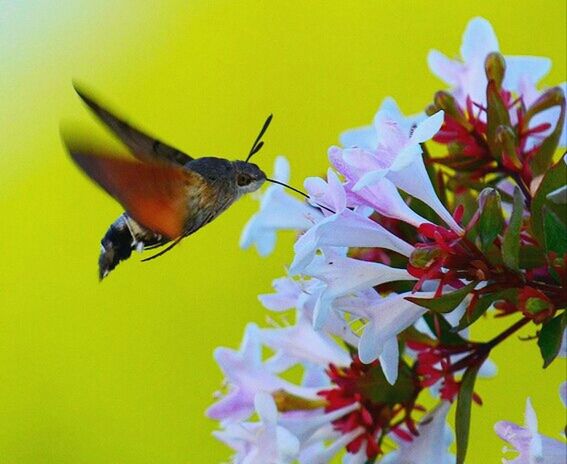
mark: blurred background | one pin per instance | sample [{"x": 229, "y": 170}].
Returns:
[{"x": 122, "y": 372}]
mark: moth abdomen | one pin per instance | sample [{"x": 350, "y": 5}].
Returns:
[{"x": 123, "y": 236}]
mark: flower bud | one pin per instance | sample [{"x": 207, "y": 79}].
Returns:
[
  {"x": 506, "y": 139},
  {"x": 424, "y": 257},
  {"x": 431, "y": 109},
  {"x": 535, "y": 305},
  {"x": 550, "y": 98},
  {"x": 495, "y": 68},
  {"x": 445, "y": 101},
  {"x": 491, "y": 220}
]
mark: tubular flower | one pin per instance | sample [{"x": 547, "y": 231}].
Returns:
[
  {"x": 422, "y": 226},
  {"x": 526, "y": 440}
]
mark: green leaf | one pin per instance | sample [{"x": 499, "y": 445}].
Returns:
[
  {"x": 555, "y": 233},
  {"x": 468, "y": 200},
  {"x": 496, "y": 115},
  {"x": 374, "y": 386},
  {"x": 414, "y": 335},
  {"x": 531, "y": 257},
  {"x": 463, "y": 412},
  {"x": 555, "y": 178},
  {"x": 443, "y": 330},
  {"x": 544, "y": 155},
  {"x": 482, "y": 305},
  {"x": 550, "y": 338},
  {"x": 445, "y": 303},
  {"x": 511, "y": 242},
  {"x": 491, "y": 220}
]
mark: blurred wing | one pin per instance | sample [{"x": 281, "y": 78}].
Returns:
[
  {"x": 142, "y": 146},
  {"x": 154, "y": 194}
]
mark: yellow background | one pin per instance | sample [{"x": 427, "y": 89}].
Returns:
[{"x": 121, "y": 372}]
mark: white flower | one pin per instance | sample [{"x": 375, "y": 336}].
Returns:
[
  {"x": 467, "y": 77},
  {"x": 342, "y": 276},
  {"x": 247, "y": 375},
  {"x": 263, "y": 442},
  {"x": 278, "y": 211},
  {"x": 346, "y": 229},
  {"x": 369, "y": 137},
  {"x": 299, "y": 343},
  {"x": 432, "y": 444},
  {"x": 533, "y": 447},
  {"x": 398, "y": 158},
  {"x": 385, "y": 318}
]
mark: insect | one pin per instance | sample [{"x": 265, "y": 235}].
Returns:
[{"x": 167, "y": 194}]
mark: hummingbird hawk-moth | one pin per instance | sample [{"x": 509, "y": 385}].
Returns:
[{"x": 166, "y": 194}]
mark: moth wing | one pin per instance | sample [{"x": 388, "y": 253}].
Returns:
[
  {"x": 142, "y": 146},
  {"x": 154, "y": 194}
]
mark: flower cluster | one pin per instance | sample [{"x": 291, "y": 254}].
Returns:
[{"x": 422, "y": 225}]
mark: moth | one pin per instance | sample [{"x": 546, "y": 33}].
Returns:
[{"x": 166, "y": 194}]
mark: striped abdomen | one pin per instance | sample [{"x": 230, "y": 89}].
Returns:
[{"x": 123, "y": 236}]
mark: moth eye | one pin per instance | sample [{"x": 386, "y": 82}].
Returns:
[{"x": 243, "y": 180}]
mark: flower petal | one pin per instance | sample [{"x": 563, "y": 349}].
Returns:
[
  {"x": 389, "y": 360},
  {"x": 266, "y": 407},
  {"x": 445, "y": 68},
  {"x": 369, "y": 178},
  {"x": 428, "y": 128},
  {"x": 479, "y": 40}
]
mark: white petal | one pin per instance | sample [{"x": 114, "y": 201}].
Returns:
[
  {"x": 281, "y": 169},
  {"x": 431, "y": 446},
  {"x": 287, "y": 293},
  {"x": 443, "y": 67},
  {"x": 386, "y": 319},
  {"x": 385, "y": 199},
  {"x": 389, "y": 109},
  {"x": 389, "y": 360},
  {"x": 288, "y": 446},
  {"x": 325, "y": 455},
  {"x": 304, "y": 344},
  {"x": 369, "y": 347},
  {"x": 370, "y": 178},
  {"x": 361, "y": 160},
  {"x": 415, "y": 181},
  {"x": 530, "y": 417},
  {"x": 428, "y": 128},
  {"x": 278, "y": 211},
  {"x": 533, "y": 68},
  {"x": 266, "y": 407},
  {"x": 350, "y": 229},
  {"x": 363, "y": 137},
  {"x": 304, "y": 427},
  {"x": 345, "y": 275},
  {"x": 337, "y": 193},
  {"x": 322, "y": 310},
  {"x": 406, "y": 157},
  {"x": 254, "y": 234},
  {"x": 346, "y": 229},
  {"x": 488, "y": 369},
  {"x": 479, "y": 40}
]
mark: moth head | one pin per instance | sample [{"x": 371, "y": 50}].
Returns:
[{"x": 248, "y": 176}]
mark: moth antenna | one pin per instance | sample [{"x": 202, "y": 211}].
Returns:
[
  {"x": 165, "y": 250},
  {"x": 273, "y": 181},
  {"x": 258, "y": 144}
]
